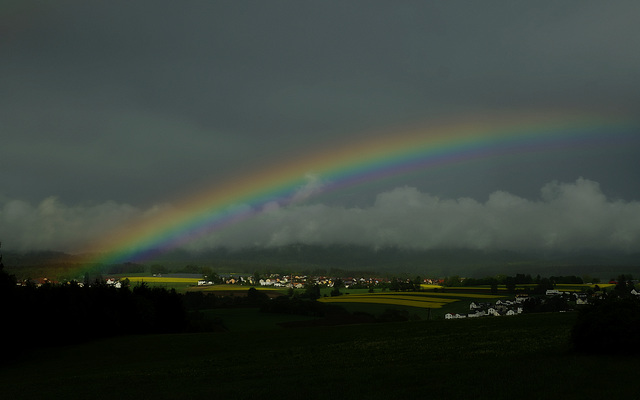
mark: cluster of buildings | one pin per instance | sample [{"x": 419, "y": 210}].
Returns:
[
  {"x": 579, "y": 298},
  {"x": 299, "y": 281},
  {"x": 499, "y": 308},
  {"x": 515, "y": 306},
  {"x": 284, "y": 281}
]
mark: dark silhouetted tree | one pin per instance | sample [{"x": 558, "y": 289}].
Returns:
[
  {"x": 624, "y": 285},
  {"x": 256, "y": 297},
  {"x": 494, "y": 288},
  {"x": 611, "y": 325},
  {"x": 510, "y": 283},
  {"x": 312, "y": 291},
  {"x": 337, "y": 284}
]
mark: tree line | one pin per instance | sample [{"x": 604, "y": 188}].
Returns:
[
  {"x": 611, "y": 323},
  {"x": 55, "y": 314}
]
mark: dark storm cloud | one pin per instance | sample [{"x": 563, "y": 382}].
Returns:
[
  {"x": 564, "y": 216},
  {"x": 141, "y": 102}
]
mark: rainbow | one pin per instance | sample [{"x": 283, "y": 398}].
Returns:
[{"x": 379, "y": 156}]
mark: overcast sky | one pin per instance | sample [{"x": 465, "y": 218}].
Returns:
[{"x": 111, "y": 110}]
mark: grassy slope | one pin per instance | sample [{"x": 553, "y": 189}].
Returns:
[
  {"x": 461, "y": 306},
  {"x": 250, "y": 319},
  {"x": 524, "y": 357}
]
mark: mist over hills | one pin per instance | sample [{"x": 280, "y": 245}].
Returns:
[
  {"x": 398, "y": 260},
  {"x": 319, "y": 259}
]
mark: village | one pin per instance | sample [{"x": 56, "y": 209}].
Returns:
[
  {"x": 528, "y": 300},
  {"x": 525, "y": 299},
  {"x": 301, "y": 281},
  {"x": 517, "y": 305}
]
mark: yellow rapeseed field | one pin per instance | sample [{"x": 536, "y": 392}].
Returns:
[
  {"x": 378, "y": 299},
  {"x": 479, "y": 288},
  {"x": 569, "y": 287},
  {"x": 466, "y": 295},
  {"x": 428, "y": 286},
  {"x": 401, "y": 295},
  {"x": 440, "y": 294},
  {"x": 161, "y": 279}
]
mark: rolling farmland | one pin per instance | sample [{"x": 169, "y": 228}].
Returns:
[{"x": 408, "y": 299}]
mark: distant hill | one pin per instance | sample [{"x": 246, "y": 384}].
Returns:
[
  {"x": 398, "y": 261},
  {"x": 13, "y": 259},
  {"x": 361, "y": 259}
]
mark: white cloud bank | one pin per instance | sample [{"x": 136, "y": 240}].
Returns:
[{"x": 567, "y": 216}]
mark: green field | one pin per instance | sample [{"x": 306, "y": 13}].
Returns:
[
  {"x": 574, "y": 287},
  {"x": 249, "y": 319},
  {"x": 353, "y": 300},
  {"x": 578, "y": 288},
  {"x": 522, "y": 357},
  {"x": 233, "y": 288},
  {"x": 188, "y": 284},
  {"x": 423, "y": 305},
  {"x": 161, "y": 280},
  {"x": 404, "y": 299}
]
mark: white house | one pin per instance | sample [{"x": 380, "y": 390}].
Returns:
[
  {"x": 581, "y": 298},
  {"x": 477, "y": 314},
  {"x": 113, "y": 282}
]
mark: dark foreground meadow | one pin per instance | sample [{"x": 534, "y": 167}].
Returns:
[{"x": 523, "y": 357}]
